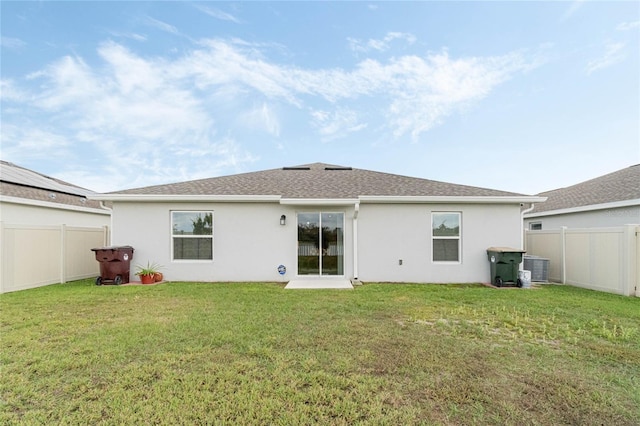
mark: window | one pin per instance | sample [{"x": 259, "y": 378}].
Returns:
[
  {"x": 445, "y": 236},
  {"x": 535, "y": 226},
  {"x": 192, "y": 235}
]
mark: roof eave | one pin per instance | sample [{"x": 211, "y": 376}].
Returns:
[
  {"x": 450, "y": 199},
  {"x": 59, "y": 206},
  {"x": 319, "y": 201},
  {"x": 604, "y": 206},
  {"x": 150, "y": 198}
]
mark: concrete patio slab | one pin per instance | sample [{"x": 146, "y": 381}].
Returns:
[{"x": 316, "y": 284}]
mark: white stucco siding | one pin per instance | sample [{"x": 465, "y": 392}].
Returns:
[
  {"x": 24, "y": 214},
  {"x": 248, "y": 241},
  {"x": 601, "y": 218},
  {"x": 390, "y": 233}
]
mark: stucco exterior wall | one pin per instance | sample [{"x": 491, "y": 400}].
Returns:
[
  {"x": 590, "y": 219},
  {"x": 249, "y": 243},
  {"x": 388, "y": 233},
  {"x": 24, "y": 214}
]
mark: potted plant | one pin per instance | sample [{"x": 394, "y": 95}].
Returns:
[{"x": 148, "y": 273}]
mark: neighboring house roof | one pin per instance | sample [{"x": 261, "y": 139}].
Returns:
[
  {"x": 312, "y": 181},
  {"x": 622, "y": 187},
  {"x": 18, "y": 183}
]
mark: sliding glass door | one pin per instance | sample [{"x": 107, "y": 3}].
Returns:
[
  {"x": 320, "y": 243},
  {"x": 331, "y": 239}
]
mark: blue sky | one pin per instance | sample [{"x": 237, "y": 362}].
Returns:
[{"x": 518, "y": 96}]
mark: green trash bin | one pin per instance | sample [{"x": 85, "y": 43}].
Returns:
[{"x": 505, "y": 262}]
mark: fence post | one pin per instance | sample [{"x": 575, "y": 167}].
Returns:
[
  {"x": 563, "y": 241},
  {"x": 629, "y": 260},
  {"x": 3, "y": 263},
  {"x": 635, "y": 232},
  {"x": 63, "y": 254}
]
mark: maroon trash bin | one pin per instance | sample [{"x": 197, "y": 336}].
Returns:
[{"x": 115, "y": 263}]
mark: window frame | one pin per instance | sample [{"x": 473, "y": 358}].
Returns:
[
  {"x": 535, "y": 226},
  {"x": 437, "y": 237},
  {"x": 173, "y": 236}
]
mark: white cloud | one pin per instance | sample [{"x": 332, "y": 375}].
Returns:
[
  {"x": 626, "y": 26},
  {"x": 64, "y": 82},
  {"x": 379, "y": 44},
  {"x": 262, "y": 118},
  {"x": 22, "y": 143},
  {"x": 162, "y": 26},
  {"x": 130, "y": 109},
  {"x": 163, "y": 116},
  {"x": 336, "y": 124},
  {"x": 410, "y": 84},
  {"x": 129, "y": 35},
  {"x": 9, "y": 92},
  {"x": 436, "y": 83},
  {"x": 573, "y": 8},
  {"x": 217, "y": 13},
  {"x": 223, "y": 63},
  {"x": 11, "y": 43},
  {"x": 427, "y": 91},
  {"x": 613, "y": 55},
  {"x": 131, "y": 73}
]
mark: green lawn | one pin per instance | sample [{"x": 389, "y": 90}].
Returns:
[{"x": 187, "y": 353}]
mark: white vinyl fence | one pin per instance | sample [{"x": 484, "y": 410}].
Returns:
[
  {"x": 605, "y": 259},
  {"x": 309, "y": 249},
  {"x": 34, "y": 256}
]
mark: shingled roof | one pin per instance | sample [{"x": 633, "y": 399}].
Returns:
[
  {"x": 621, "y": 185},
  {"x": 317, "y": 181},
  {"x": 21, "y": 183}
]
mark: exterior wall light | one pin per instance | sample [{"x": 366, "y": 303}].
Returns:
[{"x": 283, "y": 220}]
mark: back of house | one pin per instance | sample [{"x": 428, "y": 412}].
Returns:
[{"x": 318, "y": 221}]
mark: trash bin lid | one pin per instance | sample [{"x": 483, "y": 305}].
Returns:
[
  {"x": 505, "y": 250},
  {"x": 113, "y": 248}
]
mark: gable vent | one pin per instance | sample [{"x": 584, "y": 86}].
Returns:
[
  {"x": 296, "y": 168},
  {"x": 338, "y": 168}
]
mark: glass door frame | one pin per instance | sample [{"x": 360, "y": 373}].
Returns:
[{"x": 340, "y": 246}]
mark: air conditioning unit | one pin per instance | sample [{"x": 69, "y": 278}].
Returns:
[{"x": 539, "y": 267}]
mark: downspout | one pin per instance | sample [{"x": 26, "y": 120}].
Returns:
[
  {"x": 356, "y": 210},
  {"x": 522, "y": 213},
  {"x": 110, "y": 210}
]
